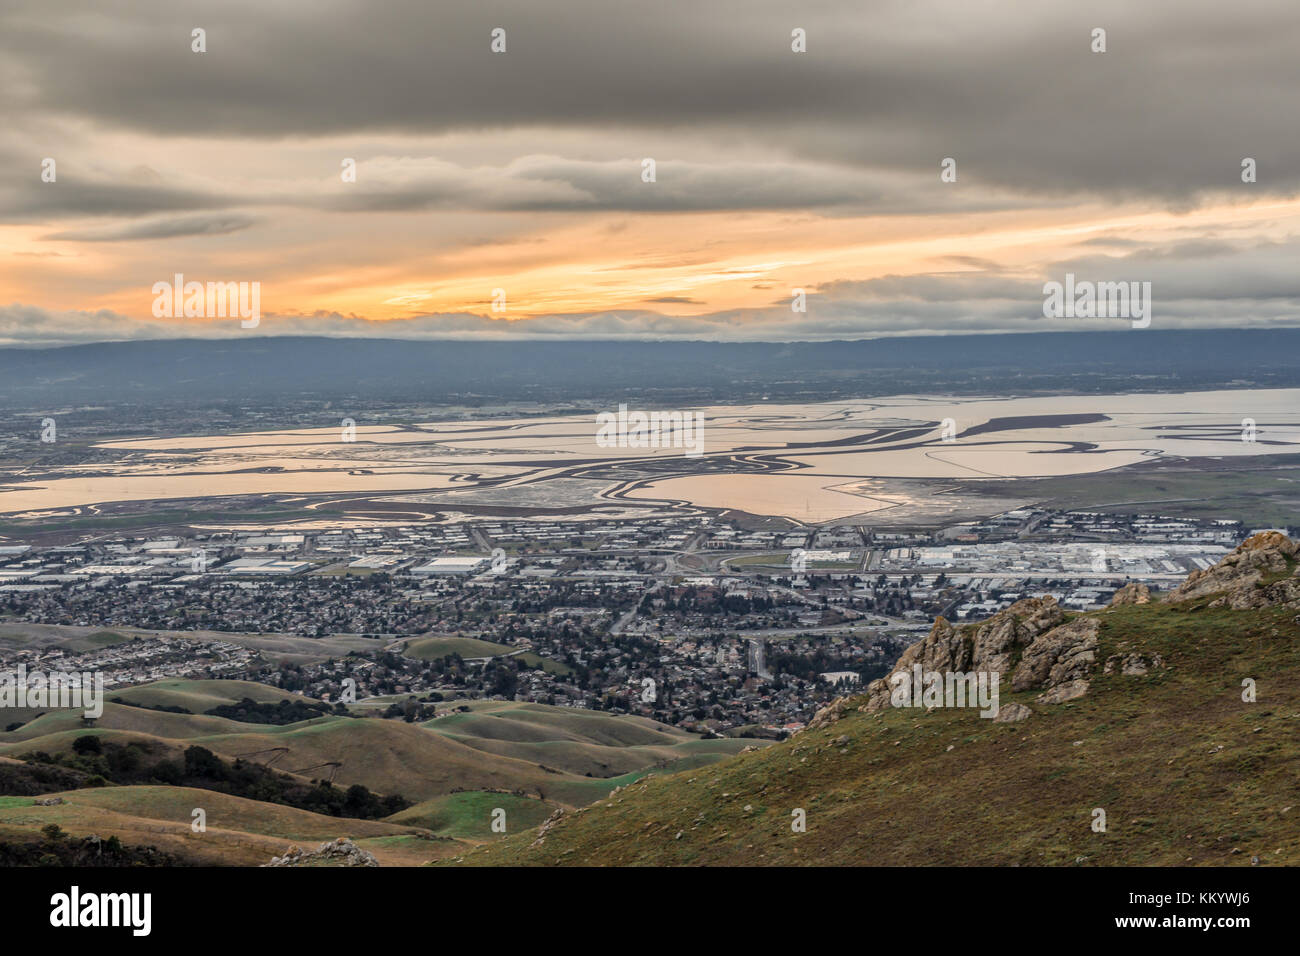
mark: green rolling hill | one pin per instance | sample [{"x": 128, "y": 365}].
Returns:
[{"x": 529, "y": 759}]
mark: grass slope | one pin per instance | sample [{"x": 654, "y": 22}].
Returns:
[
  {"x": 200, "y": 696},
  {"x": 1186, "y": 772},
  {"x": 579, "y": 741},
  {"x": 539, "y": 755},
  {"x": 468, "y": 814},
  {"x": 239, "y": 831},
  {"x": 546, "y": 751}
]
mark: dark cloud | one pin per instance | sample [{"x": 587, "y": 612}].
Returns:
[
  {"x": 540, "y": 183},
  {"x": 159, "y": 229},
  {"x": 1186, "y": 89},
  {"x": 27, "y": 199}
]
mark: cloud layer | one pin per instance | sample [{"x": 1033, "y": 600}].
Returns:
[{"x": 524, "y": 170}]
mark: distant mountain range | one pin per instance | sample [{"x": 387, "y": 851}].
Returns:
[{"x": 461, "y": 372}]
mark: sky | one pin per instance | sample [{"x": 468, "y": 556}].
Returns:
[{"x": 516, "y": 178}]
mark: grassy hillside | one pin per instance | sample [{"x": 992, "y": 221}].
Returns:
[
  {"x": 579, "y": 741},
  {"x": 239, "y": 831},
  {"x": 54, "y": 730},
  {"x": 1186, "y": 772},
  {"x": 403, "y": 757},
  {"x": 512, "y": 720},
  {"x": 547, "y": 751},
  {"x": 200, "y": 696},
  {"x": 536, "y": 758},
  {"x": 469, "y": 814}
]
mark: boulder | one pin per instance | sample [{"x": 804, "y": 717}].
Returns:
[
  {"x": 997, "y": 639},
  {"x": 1133, "y": 665},
  {"x": 1070, "y": 690},
  {"x": 1012, "y": 713},
  {"x": 546, "y": 827},
  {"x": 340, "y": 852}
]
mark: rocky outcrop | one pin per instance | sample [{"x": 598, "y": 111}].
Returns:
[
  {"x": 1031, "y": 641},
  {"x": 340, "y": 852},
  {"x": 1131, "y": 593},
  {"x": 1133, "y": 665},
  {"x": 990, "y": 646},
  {"x": 1239, "y": 578},
  {"x": 829, "y": 714},
  {"x": 546, "y": 827},
  {"x": 1053, "y": 657}
]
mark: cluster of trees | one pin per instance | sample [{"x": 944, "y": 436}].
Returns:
[
  {"x": 138, "y": 762},
  {"x": 249, "y": 711},
  {"x": 412, "y": 710},
  {"x": 56, "y": 848}
]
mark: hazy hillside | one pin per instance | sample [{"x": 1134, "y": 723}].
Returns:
[
  {"x": 1152, "y": 729},
  {"x": 181, "y": 371}
]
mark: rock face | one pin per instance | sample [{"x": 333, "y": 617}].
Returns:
[
  {"x": 1064, "y": 653},
  {"x": 340, "y": 852},
  {"x": 998, "y": 638},
  {"x": 1240, "y": 576}
]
